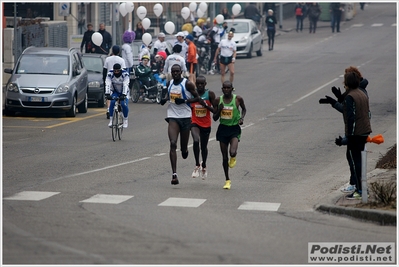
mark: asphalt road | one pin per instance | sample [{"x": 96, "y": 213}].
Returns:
[{"x": 73, "y": 196}]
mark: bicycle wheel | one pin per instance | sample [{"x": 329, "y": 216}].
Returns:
[
  {"x": 120, "y": 125},
  {"x": 135, "y": 91},
  {"x": 115, "y": 125}
]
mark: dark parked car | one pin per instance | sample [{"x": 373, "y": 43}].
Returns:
[
  {"x": 94, "y": 64},
  {"x": 47, "y": 79}
]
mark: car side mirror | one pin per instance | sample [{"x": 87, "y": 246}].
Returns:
[{"x": 9, "y": 71}]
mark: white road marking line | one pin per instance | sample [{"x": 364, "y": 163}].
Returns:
[
  {"x": 357, "y": 25},
  {"x": 314, "y": 91},
  {"x": 265, "y": 206},
  {"x": 377, "y": 25},
  {"x": 182, "y": 202},
  {"x": 394, "y": 24},
  {"x": 107, "y": 199},
  {"x": 31, "y": 195}
]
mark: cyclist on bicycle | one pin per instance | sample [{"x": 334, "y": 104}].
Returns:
[{"x": 117, "y": 85}]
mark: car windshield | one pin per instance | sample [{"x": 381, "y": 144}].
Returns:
[
  {"x": 240, "y": 27},
  {"x": 43, "y": 64},
  {"x": 93, "y": 64}
]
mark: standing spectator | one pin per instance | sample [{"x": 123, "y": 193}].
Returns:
[
  {"x": 225, "y": 13},
  {"x": 107, "y": 41},
  {"x": 252, "y": 12},
  {"x": 271, "y": 22},
  {"x": 174, "y": 59},
  {"x": 145, "y": 50},
  {"x": 86, "y": 41},
  {"x": 180, "y": 41},
  {"x": 139, "y": 30},
  {"x": 160, "y": 44},
  {"x": 300, "y": 13},
  {"x": 356, "y": 115},
  {"x": 215, "y": 34},
  {"x": 197, "y": 31},
  {"x": 181, "y": 93},
  {"x": 267, "y": 6},
  {"x": 226, "y": 109},
  {"x": 191, "y": 58},
  {"x": 201, "y": 123},
  {"x": 314, "y": 12},
  {"x": 336, "y": 12},
  {"x": 127, "y": 53},
  {"x": 362, "y": 5}
]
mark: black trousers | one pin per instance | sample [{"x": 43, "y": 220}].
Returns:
[{"x": 354, "y": 150}]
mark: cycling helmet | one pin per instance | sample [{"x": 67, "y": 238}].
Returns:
[
  {"x": 145, "y": 57},
  {"x": 162, "y": 54}
]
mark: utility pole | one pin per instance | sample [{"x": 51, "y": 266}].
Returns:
[
  {"x": 114, "y": 23},
  {"x": 281, "y": 16},
  {"x": 15, "y": 34}
]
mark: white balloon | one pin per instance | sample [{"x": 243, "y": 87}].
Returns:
[
  {"x": 158, "y": 8},
  {"x": 129, "y": 6},
  {"x": 185, "y": 12},
  {"x": 146, "y": 23},
  {"x": 169, "y": 27},
  {"x": 122, "y": 9},
  {"x": 200, "y": 13},
  {"x": 236, "y": 9},
  {"x": 203, "y": 6},
  {"x": 146, "y": 38},
  {"x": 219, "y": 19},
  {"x": 141, "y": 12},
  {"x": 97, "y": 38},
  {"x": 192, "y": 6}
]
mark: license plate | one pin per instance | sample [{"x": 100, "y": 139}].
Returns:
[{"x": 35, "y": 99}]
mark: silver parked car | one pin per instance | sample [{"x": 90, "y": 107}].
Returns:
[
  {"x": 94, "y": 64},
  {"x": 247, "y": 36},
  {"x": 47, "y": 79}
]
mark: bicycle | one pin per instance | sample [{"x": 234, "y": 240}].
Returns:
[{"x": 117, "y": 120}]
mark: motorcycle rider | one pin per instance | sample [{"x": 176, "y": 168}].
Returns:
[{"x": 117, "y": 85}]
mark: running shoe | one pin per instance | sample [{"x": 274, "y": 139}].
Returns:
[
  {"x": 196, "y": 172},
  {"x": 348, "y": 188},
  {"x": 354, "y": 196},
  {"x": 232, "y": 162},
  {"x": 204, "y": 173},
  {"x": 174, "y": 181},
  {"x": 227, "y": 184},
  {"x": 211, "y": 72}
]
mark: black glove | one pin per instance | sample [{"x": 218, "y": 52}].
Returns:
[
  {"x": 338, "y": 141},
  {"x": 179, "y": 101},
  {"x": 122, "y": 97},
  {"x": 327, "y": 100},
  {"x": 163, "y": 101},
  {"x": 337, "y": 92},
  {"x": 109, "y": 97}
]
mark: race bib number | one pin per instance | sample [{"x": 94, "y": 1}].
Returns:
[
  {"x": 174, "y": 95},
  {"x": 227, "y": 113},
  {"x": 200, "y": 111}
]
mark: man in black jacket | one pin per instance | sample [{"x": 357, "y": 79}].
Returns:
[
  {"x": 86, "y": 41},
  {"x": 107, "y": 41}
]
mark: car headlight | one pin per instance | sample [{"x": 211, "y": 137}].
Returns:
[
  {"x": 12, "y": 87},
  {"x": 63, "y": 88},
  {"x": 94, "y": 84},
  {"x": 243, "y": 40}
]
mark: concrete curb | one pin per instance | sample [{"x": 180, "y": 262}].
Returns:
[{"x": 383, "y": 217}]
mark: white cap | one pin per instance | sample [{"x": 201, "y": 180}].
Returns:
[
  {"x": 161, "y": 34},
  {"x": 180, "y": 34}
]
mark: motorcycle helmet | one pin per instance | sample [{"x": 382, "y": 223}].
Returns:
[{"x": 162, "y": 54}]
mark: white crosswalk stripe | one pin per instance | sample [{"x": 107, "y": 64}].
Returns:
[
  {"x": 31, "y": 195},
  {"x": 377, "y": 25},
  {"x": 107, "y": 199},
  {"x": 182, "y": 202},
  {"x": 265, "y": 206}
]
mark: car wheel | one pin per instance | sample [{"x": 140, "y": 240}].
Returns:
[
  {"x": 72, "y": 111},
  {"x": 82, "y": 107},
  {"x": 249, "y": 54},
  {"x": 8, "y": 112},
  {"x": 101, "y": 101}
]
